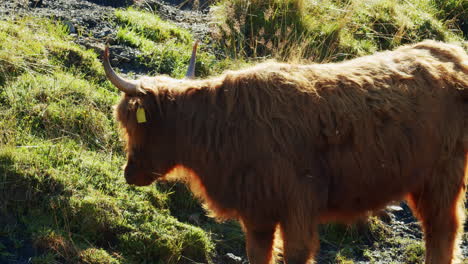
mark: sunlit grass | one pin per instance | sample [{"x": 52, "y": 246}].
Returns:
[
  {"x": 42, "y": 46},
  {"x": 294, "y": 30},
  {"x": 61, "y": 184},
  {"x": 166, "y": 50},
  {"x": 151, "y": 26}
]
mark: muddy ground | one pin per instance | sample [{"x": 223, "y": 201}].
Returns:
[{"x": 91, "y": 24}]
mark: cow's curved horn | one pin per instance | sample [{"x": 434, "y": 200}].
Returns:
[
  {"x": 127, "y": 86},
  {"x": 191, "y": 69}
]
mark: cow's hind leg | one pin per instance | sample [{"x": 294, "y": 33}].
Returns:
[{"x": 439, "y": 205}]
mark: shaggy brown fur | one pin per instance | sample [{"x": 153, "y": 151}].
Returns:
[{"x": 295, "y": 145}]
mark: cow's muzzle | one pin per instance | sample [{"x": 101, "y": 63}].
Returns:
[{"x": 137, "y": 177}]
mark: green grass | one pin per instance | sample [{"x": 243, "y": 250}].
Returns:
[
  {"x": 66, "y": 191},
  {"x": 166, "y": 48},
  {"x": 344, "y": 243},
  {"x": 294, "y": 30},
  {"x": 62, "y": 104},
  {"x": 41, "y": 46},
  {"x": 61, "y": 186},
  {"x": 414, "y": 252},
  {"x": 151, "y": 26}
]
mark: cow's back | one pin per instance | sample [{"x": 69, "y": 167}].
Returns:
[{"x": 376, "y": 122}]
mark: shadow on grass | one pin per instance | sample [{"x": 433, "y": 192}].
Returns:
[
  {"x": 228, "y": 235},
  {"x": 20, "y": 195}
]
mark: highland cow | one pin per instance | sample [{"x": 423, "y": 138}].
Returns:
[{"x": 292, "y": 146}]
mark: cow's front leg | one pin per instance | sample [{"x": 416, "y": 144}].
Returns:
[
  {"x": 259, "y": 240},
  {"x": 300, "y": 240}
]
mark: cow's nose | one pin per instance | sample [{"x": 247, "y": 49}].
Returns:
[
  {"x": 136, "y": 176},
  {"x": 129, "y": 173}
]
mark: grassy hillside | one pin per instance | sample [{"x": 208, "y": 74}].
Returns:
[
  {"x": 63, "y": 198},
  {"x": 62, "y": 191}
]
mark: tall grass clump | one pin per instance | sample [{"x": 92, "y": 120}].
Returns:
[
  {"x": 262, "y": 28},
  {"x": 455, "y": 11},
  {"x": 324, "y": 30}
]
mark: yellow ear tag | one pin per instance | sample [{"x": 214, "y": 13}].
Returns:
[{"x": 140, "y": 115}]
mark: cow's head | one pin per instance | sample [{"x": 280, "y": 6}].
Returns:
[{"x": 150, "y": 142}]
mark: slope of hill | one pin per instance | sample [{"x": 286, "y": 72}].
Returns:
[{"x": 62, "y": 194}]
